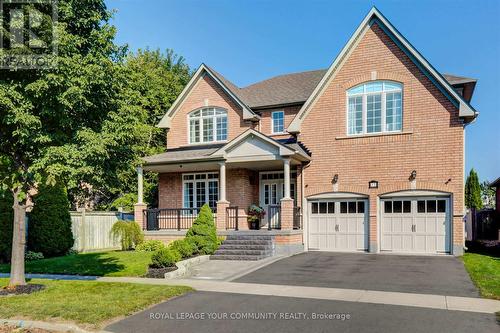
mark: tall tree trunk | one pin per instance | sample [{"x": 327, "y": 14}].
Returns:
[{"x": 18, "y": 243}]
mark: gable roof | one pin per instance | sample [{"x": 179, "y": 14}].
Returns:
[
  {"x": 226, "y": 86},
  {"x": 466, "y": 111},
  {"x": 217, "y": 152}
]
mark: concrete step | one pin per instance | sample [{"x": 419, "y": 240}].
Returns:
[
  {"x": 247, "y": 242},
  {"x": 246, "y": 246},
  {"x": 243, "y": 252},
  {"x": 249, "y": 237},
  {"x": 236, "y": 257}
]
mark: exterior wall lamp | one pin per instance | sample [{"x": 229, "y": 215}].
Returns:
[{"x": 413, "y": 175}]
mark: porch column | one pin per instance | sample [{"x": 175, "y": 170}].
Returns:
[
  {"x": 222, "y": 179},
  {"x": 140, "y": 206},
  {"x": 222, "y": 204},
  {"x": 286, "y": 164},
  {"x": 287, "y": 201}
]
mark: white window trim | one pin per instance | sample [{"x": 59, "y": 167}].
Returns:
[
  {"x": 365, "y": 110},
  {"x": 214, "y": 129},
  {"x": 206, "y": 180},
  {"x": 272, "y": 122}
]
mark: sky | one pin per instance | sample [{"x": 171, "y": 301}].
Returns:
[{"x": 251, "y": 40}]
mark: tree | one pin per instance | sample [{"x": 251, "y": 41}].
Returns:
[
  {"x": 473, "y": 191},
  {"x": 6, "y": 217},
  {"x": 153, "y": 79},
  {"x": 49, "y": 228},
  {"x": 487, "y": 195},
  {"x": 47, "y": 115}
]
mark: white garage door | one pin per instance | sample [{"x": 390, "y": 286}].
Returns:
[
  {"x": 416, "y": 225},
  {"x": 338, "y": 225}
]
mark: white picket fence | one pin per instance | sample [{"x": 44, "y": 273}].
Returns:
[{"x": 91, "y": 230}]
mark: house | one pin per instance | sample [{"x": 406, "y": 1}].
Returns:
[{"x": 366, "y": 155}]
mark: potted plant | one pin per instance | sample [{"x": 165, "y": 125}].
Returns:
[{"x": 255, "y": 214}]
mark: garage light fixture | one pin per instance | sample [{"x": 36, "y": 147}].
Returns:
[
  {"x": 413, "y": 175},
  {"x": 373, "y": 184},
  {"x": 335, "y": 178}
]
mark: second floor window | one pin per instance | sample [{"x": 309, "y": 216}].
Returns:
[
  {"x": 278, "y": 124},
  {"x": 208, "y": 125},
  {"x": 375, "y": 107}
]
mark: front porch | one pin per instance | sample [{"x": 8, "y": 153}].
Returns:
[
  {"x": 252, "y": 169},
  {"x": 157, "y": 219}
]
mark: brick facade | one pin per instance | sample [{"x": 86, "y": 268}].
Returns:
[
  {"x": 205, "y": 93},
  {"x": 431, "y": 142}
]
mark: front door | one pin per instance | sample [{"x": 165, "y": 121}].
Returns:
[{"x": 272, "y": 190}]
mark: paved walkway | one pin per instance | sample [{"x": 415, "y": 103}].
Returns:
[
  {"x": 228, "y": 270},
  {"x": 468, "y": 304}
]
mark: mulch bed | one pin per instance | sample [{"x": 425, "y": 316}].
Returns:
[
  {"x": 159, "y": 273},
  {"x": 19, "y": 290}
]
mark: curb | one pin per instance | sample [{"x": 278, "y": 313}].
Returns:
[
  {"x": 43, "y": 325},
  {"x": 184, "y": 267}
]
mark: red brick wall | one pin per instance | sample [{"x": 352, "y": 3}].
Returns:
[
  {"x": 266, "y": 119},
  {"x": 242, "y": 189},
  {"x": 205, "y": 90},
  {"x": 431, "y": 142}
]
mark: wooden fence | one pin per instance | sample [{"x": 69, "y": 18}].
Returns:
[{"x": 91, "y": 230}]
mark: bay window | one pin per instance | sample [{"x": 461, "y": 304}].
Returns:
[
  {"x": 375, "y": 107},
  {"x": 207, "y": 125}
]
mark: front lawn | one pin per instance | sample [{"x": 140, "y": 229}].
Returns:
[
  {"x": 84, "y": 302},
  {"x": 484, "y": 270},
  {"x": 113, "y": 263}
]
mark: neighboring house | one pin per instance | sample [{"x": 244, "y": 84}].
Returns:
[{"x": 367, "y": 155}]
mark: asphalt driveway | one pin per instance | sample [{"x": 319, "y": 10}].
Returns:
[
  {"x": 438, "y": 275},
  {"x": 221, "y": 312}
]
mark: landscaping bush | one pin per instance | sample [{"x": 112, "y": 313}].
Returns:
[
  {"x": 129, "y": 233},
  {"x": 203, "y": 232},
  {"x": 163, "y": 258},
  {"x": 6, "y": 224},
  {"x": 49, "y": 228},
  {"x": 32, "y": 256},
  {"x": 151, "y": 245},
  {"x": 205, "y": 245},
  {"x": 183, "y": 247},
  {"x": 191, "y": 242}
]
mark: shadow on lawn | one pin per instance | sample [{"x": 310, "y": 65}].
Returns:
[
  {"x": 489, "y": 248},
  {"x": 94, "y": 263}
]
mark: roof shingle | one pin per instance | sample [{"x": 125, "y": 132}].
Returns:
[{"x": 294, "y": 88}]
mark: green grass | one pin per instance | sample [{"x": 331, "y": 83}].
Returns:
[
  {"x": 113, "y": 263},
  {"x": 484, "y": 271},
  {"x": 84, "y": 302}
]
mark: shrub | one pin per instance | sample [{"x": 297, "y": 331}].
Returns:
[
  {"x": 6, "y": 225},
  {"x": 151, "y": 245},
  {"x": 191, "y": 242},
  {"x": 203, "y": 232},
  {"x": 183, "y": 247},
  {"x": 128, "y": 232},
  {"x": 71, "y": 252},
  {"x": 32, "y": 256},
  {"x": 163, "y": 258},
  {"x": 205, "y": 245},
  {"x": 49, "y": 228},
  {"x": 126, "y": 201}
]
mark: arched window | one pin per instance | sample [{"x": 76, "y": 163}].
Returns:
[
  {"x": 207, "y": 125},
  {"x": 375, "y": 107}
]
